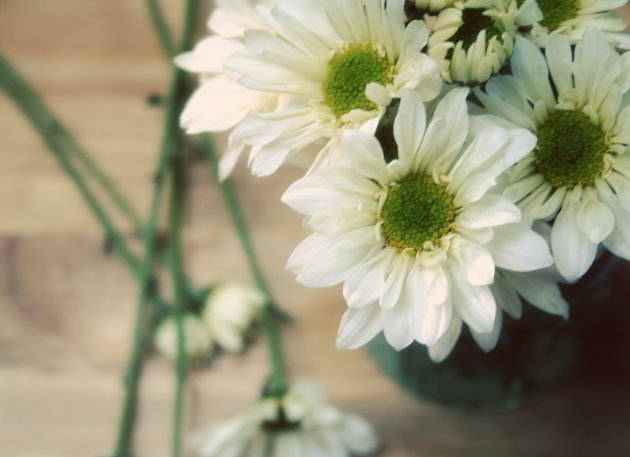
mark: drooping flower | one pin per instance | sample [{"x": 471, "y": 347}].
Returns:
[
  {"x": 300, "y": 423},
  {"x": 416, "y": 240},
  {"x": 230, "y": 312},
  {"x": 579, "y": 172},
  {"x": 341, "y": 63},
  {"x": 572, "y": 17},
  {"x": 220, "y": 103},
  {"x": 472, "y": 40},
  {"x": 198, "y": 343}
]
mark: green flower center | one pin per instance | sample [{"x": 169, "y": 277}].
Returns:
[
  {"x": 570, "y": 149},
  {"x": 555, "y": 12},
  {"x": 349, "y": 73},
  {"x": 417, "y": 210},
  {"x": 474, "y": 21}
]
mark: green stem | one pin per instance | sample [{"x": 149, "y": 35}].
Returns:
[
  {"x": 168, "y": 151},
  {"x": 178, "y": 310},
  {"x": 277, "y": 383},
  {"x": 134, "y": 365},
  {"x": 161, "y": 29},
  {"x": 53, "y": 132},
  {"x": 105, "y": 183},
  {"x": 190, "y": 16},
  {"x": 58, "y": 141}
]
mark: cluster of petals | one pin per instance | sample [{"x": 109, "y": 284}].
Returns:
[
  {"x": 264, "y": 77},
  {"x": 219, "y": 102},
  {"x": 270, "y": 85}
]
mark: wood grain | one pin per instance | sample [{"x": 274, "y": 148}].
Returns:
[{"x": 66, "y": 308}]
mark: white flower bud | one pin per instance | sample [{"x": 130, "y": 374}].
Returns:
[
  {"x": 230, "y": 312},
  {"x": 197, "y": 338}
]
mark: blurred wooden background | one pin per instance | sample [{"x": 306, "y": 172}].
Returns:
[{"x": 66, "y": 309}]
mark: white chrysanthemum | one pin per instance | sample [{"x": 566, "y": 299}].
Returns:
[
  {"x": 198, "y": 344},
  {"x": 301, "y": 423},
  {"x": 343, "y": 62},
  {"x": 572, "y": 17},
  {"x": 230, "y": 312},
  {"x": 220, "y": 103},
  {"x": 416, "y": 240},
  {"x": 472, "y": 40},
  {"x": 579, "y": 172}
]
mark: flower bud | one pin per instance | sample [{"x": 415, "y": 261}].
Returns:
[
  {"x": 230, "y": 312},
  {"x": 197, "y": 338}
]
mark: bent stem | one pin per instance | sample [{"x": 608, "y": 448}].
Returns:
[
  {"x": 277, "y": 383},
  {"x": 58, "y": 141},
  {"x": 161, "y": 30}
]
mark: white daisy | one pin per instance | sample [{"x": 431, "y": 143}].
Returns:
[
  {"x": 579, "y": 172},
  {"x": 472, "y": 40},
  {"x": 220, "y": 103},
  {"x": 300, "y": 423},
  {"x": 230, "y": 312},
  {"x": 342, "y": 62},
  {"x": 416, "y": 240},
  {"x": 572, "y": 17},
  {"x": 198, "y": 344}
]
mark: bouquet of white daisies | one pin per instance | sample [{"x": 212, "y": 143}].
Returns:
[{"x": 458, "y": 155}]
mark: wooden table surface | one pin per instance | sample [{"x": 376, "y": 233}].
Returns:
[{"x": 66, "y": 308}]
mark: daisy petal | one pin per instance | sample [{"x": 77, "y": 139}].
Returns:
[
  {"x": 474, "y": 304},
  {"x": 490, "y": 211},
  {"x": 358, "y": 326},
  {"x": 443, "y": 347},
  {"x": 517, "y": 247},
  {"x": 487, "y": 341},
  {"x": 572, "y": 250}
]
